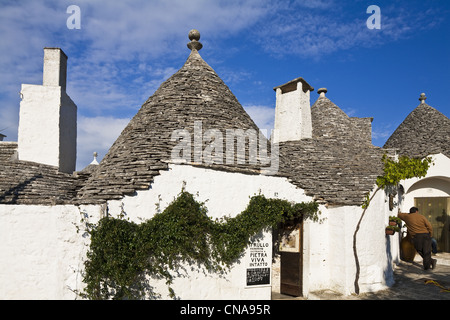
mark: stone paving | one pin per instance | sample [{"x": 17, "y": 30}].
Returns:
[{"x": 411, "y": 283}]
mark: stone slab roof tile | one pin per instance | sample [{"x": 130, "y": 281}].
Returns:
[
  {"x": 195, "y": 93},
  {"x": 8, "y": 150},
  {"x": 424, "y": 131},
  {"x": 24, "y": 182},
  {"x": 331, "y": 171},
  {"x": 329, "y": 121}
]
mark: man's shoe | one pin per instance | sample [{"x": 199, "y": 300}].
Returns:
[{"x": 433, "y": 263}]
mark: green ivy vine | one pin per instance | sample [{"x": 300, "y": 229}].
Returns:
[{"x": 123, "y": 255}]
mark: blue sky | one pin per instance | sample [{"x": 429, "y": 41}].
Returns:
[{"x": 125, "y": 49}]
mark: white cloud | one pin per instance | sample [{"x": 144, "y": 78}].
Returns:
[
  {"x": 121, "y": 54},
  {"x": 125, "y": 49},
  {"x": 380, "y": 133},
  {"x": 126, "y": 30},
  {"x": 111, "y": 68},
  {"x": 319, "y": 28},
  {"x": 96, "y": 134},
  {"x": 263, "y": 116}
]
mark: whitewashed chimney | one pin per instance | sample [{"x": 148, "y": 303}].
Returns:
[
  {"x": 48, "y": 117},
  {"x": 292, "y": 111}
]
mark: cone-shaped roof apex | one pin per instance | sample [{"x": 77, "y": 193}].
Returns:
[
  {"x": 195, "y": 94},
  {"x": 424, "y": 131}
]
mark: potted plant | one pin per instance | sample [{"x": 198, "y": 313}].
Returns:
[
  {"x": 395, "y": 221},
  {"x": 390, "y": 230}
]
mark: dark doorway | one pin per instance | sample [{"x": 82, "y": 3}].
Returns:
[
  {"x": 291, "y": 260},
  {"x": 436, "y": 211}
]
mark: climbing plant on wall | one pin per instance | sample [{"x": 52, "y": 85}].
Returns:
[
  {"x": 394, "y": 171},
  {"x": 123, "y": 255}
]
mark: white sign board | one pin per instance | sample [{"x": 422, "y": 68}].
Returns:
[{"x": 259, "y": 263}]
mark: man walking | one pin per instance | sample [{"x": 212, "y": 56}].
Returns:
[{"x": 421, "y": 232}]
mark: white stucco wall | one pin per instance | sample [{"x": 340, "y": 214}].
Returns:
[
  {"x": 225, "y": 194},
  {"x": 55, "y": 68},
  {"x": 41, "y": 252},
  {"x": 329, "y": 258},
  {"x": 68, "y": 134},
  {"x": 47, "y": 127},
  {"x": 38, "y": 137}
]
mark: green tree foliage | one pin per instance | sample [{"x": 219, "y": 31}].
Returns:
[{"x": 404, "y": 168}]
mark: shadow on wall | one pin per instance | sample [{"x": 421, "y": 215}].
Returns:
[{"x": 389, "y": 271}]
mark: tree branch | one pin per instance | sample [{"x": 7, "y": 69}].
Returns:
[{"x": 355, "y": 252}]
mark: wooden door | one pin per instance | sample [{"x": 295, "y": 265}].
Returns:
[{"x": 291, "y": 262}]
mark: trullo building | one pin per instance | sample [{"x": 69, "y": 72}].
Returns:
[
  {"x": 426, "y": 132},
  {"x": 178, "y": 139}
]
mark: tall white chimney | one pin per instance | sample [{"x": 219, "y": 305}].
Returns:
[
  {"x": 55, "y": 68},
  {"x": 48, "y": 117},
  {"x": 292, "y": 111}
]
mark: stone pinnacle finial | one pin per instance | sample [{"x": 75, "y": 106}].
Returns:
[
  {"x": 322, "y": 91},
  {"x": 422, "y": 98},
  {"x": 95, "y": 158},
  {"x": 194, "y": 36}
]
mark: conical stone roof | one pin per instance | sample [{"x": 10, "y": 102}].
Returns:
[
  {"x": 194, "y": 95},
  {"x": 339, "y": 165},
  {"x": 330, "y": 122},
  {"x": 424, "y": 131}
]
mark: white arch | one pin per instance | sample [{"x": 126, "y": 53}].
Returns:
[
  {"x": 435, "y": 184},
  {"x": 439, "y": 184}
]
